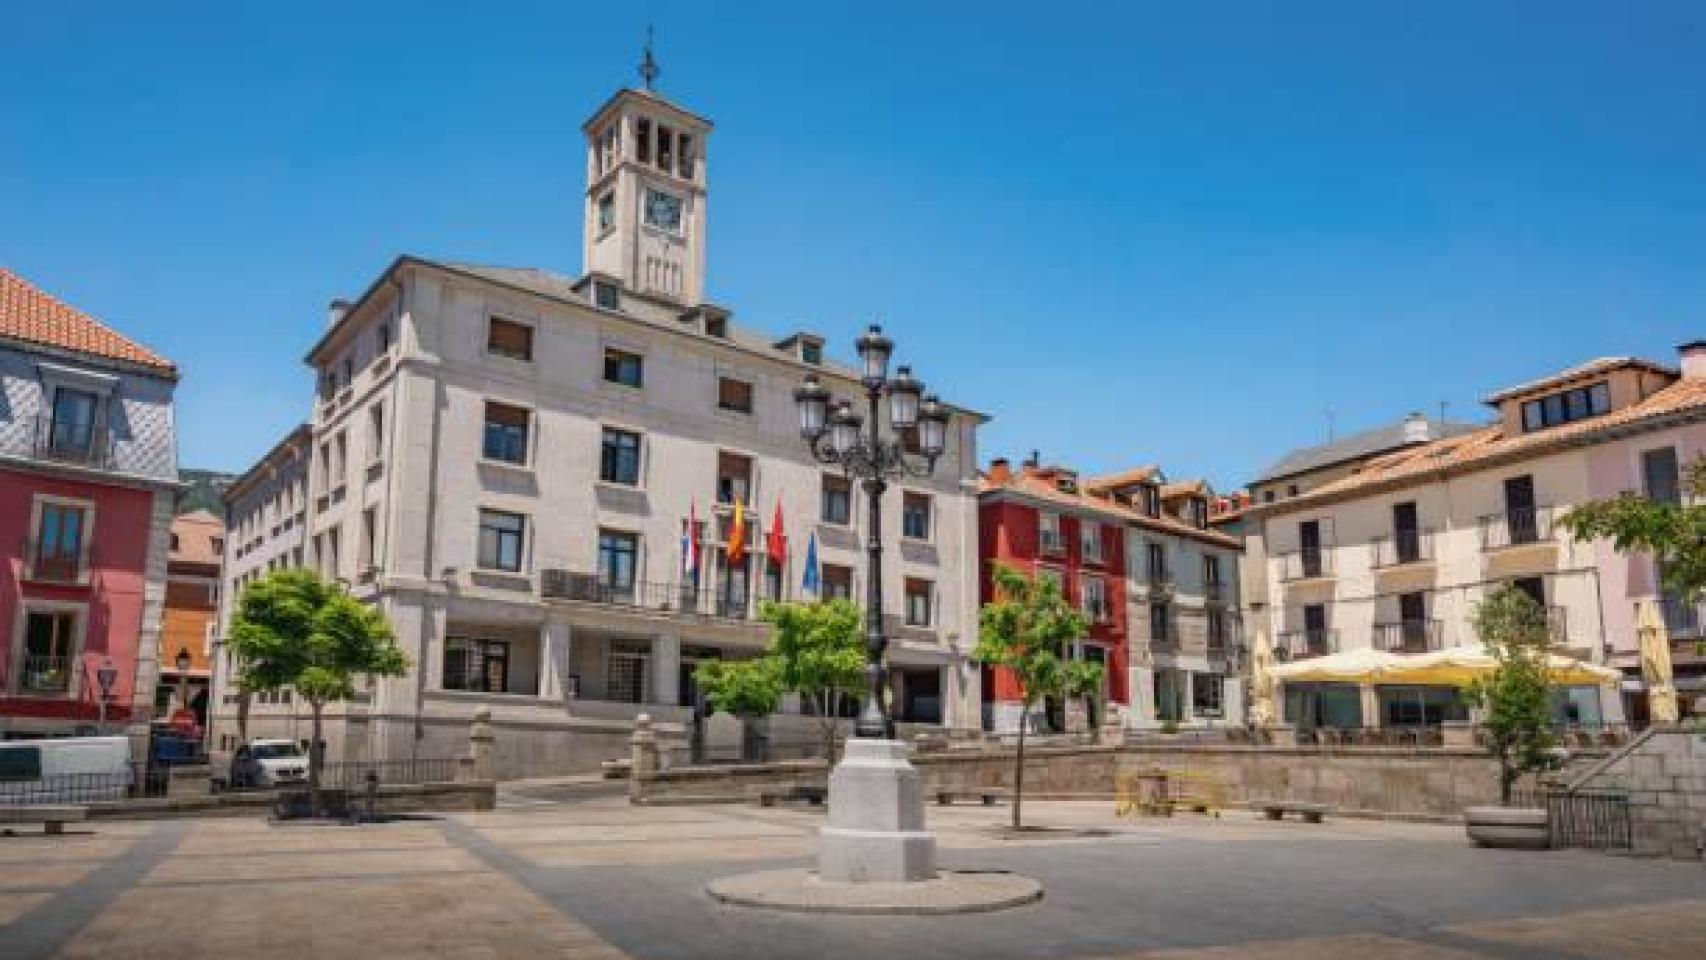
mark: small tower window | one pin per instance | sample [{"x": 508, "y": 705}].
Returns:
[
  {"x": 606, "y": 211},
  {"x": 685, "y": 158},
  {"x": 666, "y": 149},
  {"x": 643, "y": 139},
  {"x": 716, "y": 327}
]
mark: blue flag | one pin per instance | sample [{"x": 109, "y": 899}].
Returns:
[{"x": 810, "y": 584}]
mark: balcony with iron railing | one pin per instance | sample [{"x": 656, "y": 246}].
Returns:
[
  {"x": 54, "y": 564},
  {"x": 1304, "y": 644},
  {"x": 45, "y": 675},
  {"x": 1402, "y": 548},
  {"x": 1408, "y": 636},
  {"x": 705, "y": 601},
  {"x": 1300, "y": 565},
  {"x": 1157, "y": 579},
  {"x": 1515, "y": 528},
  {"x": 1682, "y": 619},
  {"x": 1215, "y": 592},
  {"x": 78, "y": 444}
]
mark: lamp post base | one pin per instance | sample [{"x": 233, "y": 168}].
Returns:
[{"x": 876, "y": 818}]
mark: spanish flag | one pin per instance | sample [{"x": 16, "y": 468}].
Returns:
[{"x": 736, "y": 548}]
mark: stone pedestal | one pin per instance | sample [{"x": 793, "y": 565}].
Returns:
[{"x": 876, "y": 818}]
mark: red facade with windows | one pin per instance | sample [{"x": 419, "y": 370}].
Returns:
[{"x": 1010, "y": 520}]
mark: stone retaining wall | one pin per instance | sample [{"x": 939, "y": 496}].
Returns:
[{"x": 1664, "y": 773}]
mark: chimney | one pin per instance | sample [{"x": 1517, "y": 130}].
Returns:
[
  {"x": 1416, "y": 428},
  {"x": 336, "y": 311},
  {"x": 1692, "y": 357},
  {"x": 1000, "y": 471},
  {"x": 1036, "y": 459}
]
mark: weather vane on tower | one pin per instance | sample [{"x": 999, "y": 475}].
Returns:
[{"x": 649, "y": 66}]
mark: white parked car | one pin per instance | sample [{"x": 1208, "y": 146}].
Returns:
[
  {"x": 269, "y": 763},
  {"x": 65, "y": 770}
]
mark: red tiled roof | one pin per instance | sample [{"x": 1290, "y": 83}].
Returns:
[
  {"x": 29, "y": 314},
  {"x": 1124, "y": 478},
  {"x": 1026, "y": 482}
]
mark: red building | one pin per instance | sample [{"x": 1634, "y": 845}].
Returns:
[
  {"x": 1038, "y": 521},
  {"x": 88, "y": 475}
]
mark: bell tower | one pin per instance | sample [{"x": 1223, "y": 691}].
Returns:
[{"x": 645, "y": 193}]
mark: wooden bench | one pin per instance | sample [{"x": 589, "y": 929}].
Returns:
[
  {"x": 989, "y": 796},
  {"x": 1277, "y": 809},
  {"x": 53, "y": 817},
  {"x": 770, "y": 796}
]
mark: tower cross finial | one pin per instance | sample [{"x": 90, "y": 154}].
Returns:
[{"x": 649, "y": 66}]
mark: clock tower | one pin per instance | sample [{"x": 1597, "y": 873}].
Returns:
[{"x": 645, "y": 195}]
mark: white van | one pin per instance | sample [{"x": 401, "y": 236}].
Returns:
[{"x": 68, "y": 770}]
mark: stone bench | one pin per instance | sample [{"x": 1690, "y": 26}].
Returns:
[
  {"x": 1277, "y": 809},
  {"x": 989, "y": 796},
  {"x": 770, "y": 796},
  {"x": 52, "y": 817}
]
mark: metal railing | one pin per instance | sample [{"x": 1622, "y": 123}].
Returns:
[
  {"x": 63, "y": 441},
  {"x": 1214, "y": 591},
  {"x": 1158, "y": 579},
  {"x": 45, "y": 675},
  {"x": 351, "y": 774},
  {"x": 1303, "y": 644},
  {"x": 1402, "y": 547},
  {"x": 1407, "y": 636},
  {"x": 683, "y": 599},
  {"x": 1592, "y": 819},
  {"x": 1515, "y": 528},
  {"x": 75, "y": 788},
  {"x": 1305, "y": 564},
  {"x": 54, "y": 567}
]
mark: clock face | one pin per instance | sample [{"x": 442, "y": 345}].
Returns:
[{"x": 663, "y": 210}]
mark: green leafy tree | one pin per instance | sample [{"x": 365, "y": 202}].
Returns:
[
  {"x": 1021, "y": 631},
  {"x": 1516, "y": 697},
  {"x": 294, "y": 629},
  {"x": 815, "y": 650},
  {"x": 1082, "y": 680},
  {"x": 1673, "y": 534}
]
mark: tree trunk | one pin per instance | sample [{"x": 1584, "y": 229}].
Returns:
[
  {"x": 1019, "y": 765},
  {"x": 244, "y": 700},
  {"x": 316, "y": 755}
]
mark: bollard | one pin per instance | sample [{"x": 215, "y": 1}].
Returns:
[{"x": 643, "y": 758}]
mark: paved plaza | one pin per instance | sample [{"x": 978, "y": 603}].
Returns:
[{"x": 600, "y": 879}]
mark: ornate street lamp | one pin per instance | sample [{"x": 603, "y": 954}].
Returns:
[
  {"x": 106, "y": 675},
  {"x": 838, "y": 434}
]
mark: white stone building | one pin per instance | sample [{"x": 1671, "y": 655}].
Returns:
[{"x": 506, "y": 461}]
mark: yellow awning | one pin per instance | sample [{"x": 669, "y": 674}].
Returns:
[
  {"x": 1454, "y": 667},
  {"x": 1352, "y": 666}
]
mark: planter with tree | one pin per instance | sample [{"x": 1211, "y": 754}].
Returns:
[
  {"x": 1516, "y": 715},
  {"x": 295, "y": 630},
  {"x": 1022, "y": 631}
]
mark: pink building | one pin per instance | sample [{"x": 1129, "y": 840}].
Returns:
[{"x": 88, "y": 474}]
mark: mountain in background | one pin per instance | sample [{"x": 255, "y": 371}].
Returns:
[{"x": 203, "y": 490}]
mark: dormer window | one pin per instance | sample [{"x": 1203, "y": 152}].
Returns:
[
  {"x": 811, "y": 353},
  {"x": 1566, "y": 406},
  {"x": 606, "y": 295},
  {"x": 1151, "y": 499},
  {"x": 716, "y": 327}
]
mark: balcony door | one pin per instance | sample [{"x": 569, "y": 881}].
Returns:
[
  {"x": 1309, "y": 543},
  {"x": 73, "y": 428},
  {"x": 1406, "y": 532},
  {"x": 1519, "y": 509},
  {"x": 1315, "y": 628},
  {"x": 1413, "y": 621}
]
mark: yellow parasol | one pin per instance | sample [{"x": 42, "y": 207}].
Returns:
[
  {"x": 1262, "y": 712},
  {"x": 1362, "y": 665},
  {"x": 1655, "y": 663},
  {"x": 1462, "y": 666}
]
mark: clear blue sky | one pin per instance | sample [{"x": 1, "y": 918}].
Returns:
[{"x": 1132, "y": 235}]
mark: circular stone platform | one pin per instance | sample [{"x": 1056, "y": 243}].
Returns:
[{"x": 800, "y": 891}]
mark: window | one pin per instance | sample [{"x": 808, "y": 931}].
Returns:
[
  {"x": 606, "y": 295},
  {"x": 643, "y": 139},
  {"x": 340, "y": 461},
  {"x": 1093, "y": 597},
  {"x": 1048, "y": 527},
  {"x": 1659, "y": 476},
  {"x": 625, "y": 671},
  {"x": 1156, "y": 556},
  {"x": 918, "y": 602},
  {"x": 73, "y": 427},
  {"x": 1216, "y": 628},
  {"x": 734, "y": 479},
  {"x": 506, "y": 433},
  {"x": 1211, "y": 573},
  {"x": 774, "y": 584},
  {"x": 506, "y": 338},
  {"x": 60, "y": 536},
  {"x": 333, "y": 553},
  {"x": 618, "y": 559},
  {"x": 1198, "y": 512},
  {"x": 1291, "y": 490},
  {"x": 1268, "y": 496},
  {"x": 684, "y": 167},
  {"x": 369, "y": 538},
  {"x": 1159, "y": 622},
  {"x": 607, "y": 211},
  {"x": 501, "y": 536},
  {"x": 619, "y": 459},
  {"x": 48, "y": 640},
  {"x": 812, "y": 353},
  {"x": 349, "y": 368},
  {"x": 1566, "y": 407},
  {"x": 1151, "y": 496},
  {"x": 837, "y": 582},
  {"x": 382, "y": 339},
  {"x": 623, "y": 367},
  {"x": 1206, "y": 691},
  {"x": 716, "y": 327},
  {"x": 733, "y": 585},
  {"x": 1090, "y": 540},
  {"x": 480, "y": 666},
  {"x": 666, "y": 149},
  {"x": 375, "y": 432},
  {"x": 837, "y": 500},
  {"x": 915, "y": 516},
  {"x": 734, "y": 395}
]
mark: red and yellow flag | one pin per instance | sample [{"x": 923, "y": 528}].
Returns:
[{"x": 736, "y": 547}]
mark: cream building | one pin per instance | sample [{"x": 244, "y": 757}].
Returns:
[
  {"x": 506, "y": 462},
  {"x": 1394, "y": 554}
]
